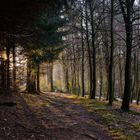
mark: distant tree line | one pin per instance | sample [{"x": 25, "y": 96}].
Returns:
[
  {"x": 104, "y": 39},
  {"x": 29, "y": 33},
  {"x": 96, "y": 41}
]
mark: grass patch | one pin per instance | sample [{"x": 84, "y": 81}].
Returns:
[
  {"x": 133, "y": 112},
  {"x": 119, "y": 127},
  {"x": 136, "y": 126},
  {"x": 33, "y": 100},
  {"x": 45, "y": 104}
]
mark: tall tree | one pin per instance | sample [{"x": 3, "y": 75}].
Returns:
[
  {"x": 111, "y": 94},
  {"x": 92, "y": 5},
  {"x": 127, "y": 11},
  {"x": 83, "y": 56}
]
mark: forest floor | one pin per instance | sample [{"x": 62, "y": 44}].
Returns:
[{"x": 55, "y": 116}]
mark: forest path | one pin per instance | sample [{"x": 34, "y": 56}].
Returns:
[{"x": 50, "y": 116}]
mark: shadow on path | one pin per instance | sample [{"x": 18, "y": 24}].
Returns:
[{"x": 49, "y": 117}]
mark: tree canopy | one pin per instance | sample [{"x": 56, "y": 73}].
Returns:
[{"x": 15, "y": 15}]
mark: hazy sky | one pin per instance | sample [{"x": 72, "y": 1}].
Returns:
[{"x": 137, "y": 1}]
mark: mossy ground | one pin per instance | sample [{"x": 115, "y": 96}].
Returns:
[
  {"x": 121, "y": 125},
  {"x": 51, "y": 116}
]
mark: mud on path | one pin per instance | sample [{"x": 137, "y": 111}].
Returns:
[{"x": 49, "y": 117}]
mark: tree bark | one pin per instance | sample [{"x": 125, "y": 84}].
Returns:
[
  {"x": 38, "y": 78},
  {"x": 127, "y": 15},
  {"x": 14, "y": 64},
  {"x": 31, "y": 79},
  {"x": 51, "y": 77},
  {"x": 93, "y": 92},
  {"x": 8, "y": 67},
  {"x": 89, "y": 51},
  {"x": 111, "y": 93},
  {"x": 83, "y": 58}
]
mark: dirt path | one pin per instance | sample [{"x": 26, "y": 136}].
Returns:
[{"x": 49, "y": 117}]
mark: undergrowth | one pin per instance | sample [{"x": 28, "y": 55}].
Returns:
[{"x": 117, "y": 122}]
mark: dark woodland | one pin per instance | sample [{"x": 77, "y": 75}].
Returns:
[{"x": 70, "y": 70}]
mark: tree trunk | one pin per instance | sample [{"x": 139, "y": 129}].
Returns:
[
  {"x": 89, "y": 51},
  {"x": 8, "y": 68},
  {"x": 138, "y": 97},
  {"x": 83, "y": 58},
  {"x": 51, "y": 77},
  {"x": 31, "y": 79},
  {"x": 127, "y": 15},
  {"x": 14, "y": 65},
  {"x": 120, "y": 76},
  {"x": 38, "y": 78},
  {"x": 101, "y": 81},
  {"x": 93, "y": 92},
  {"x": 127, "y": 89},
  {"x": 111, "y": 93},
  {"x": 67, "y": 80}
]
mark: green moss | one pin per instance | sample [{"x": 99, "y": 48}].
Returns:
[
  {"x": 45, "y": 104},
  {"x": 117, "y": 126},
  {"x": 136, "y": 126},
  {"x": 133, "y": 112},
  {"x": 33, "y": 100}
]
